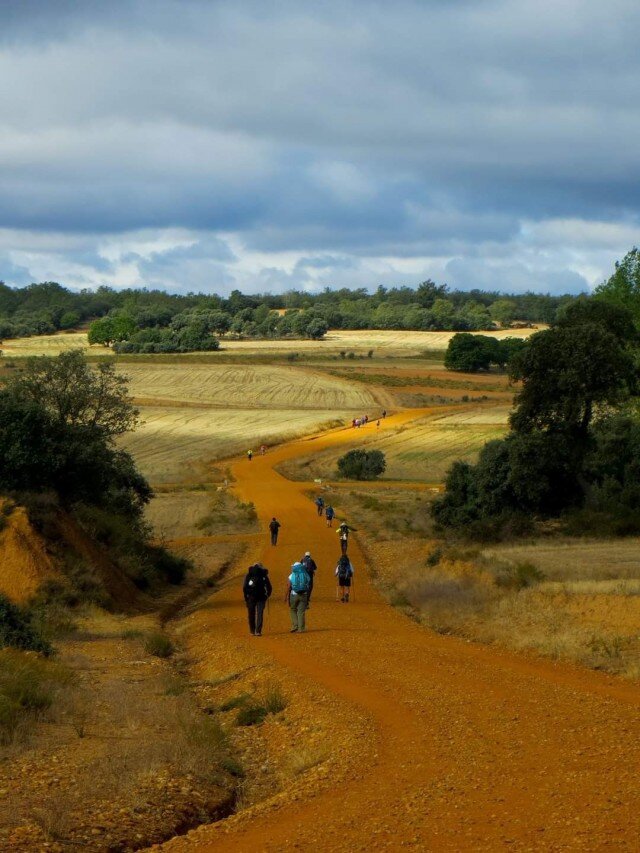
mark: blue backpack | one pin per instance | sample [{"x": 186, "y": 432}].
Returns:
[{"x": 300, "y": 581}]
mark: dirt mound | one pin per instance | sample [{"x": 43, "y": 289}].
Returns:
[{"x": 24, "y": 561}]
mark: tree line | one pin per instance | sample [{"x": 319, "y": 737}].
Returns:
[{"x": 156, "y": 321}]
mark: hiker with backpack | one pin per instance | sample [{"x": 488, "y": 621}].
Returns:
[
  {"x": 329, "y": 514},
  {"x": 344, "y": 573},
  {"x": 274, "y": 527},
  {"x": 249, "y": 455},
  {"x": 310, "y": 565},
  {"x": 343, "y": 532},
  {"x": 319, "y": 502},
  {"x": 297, "y": 596},
  {"x": 256, "y": 590}
]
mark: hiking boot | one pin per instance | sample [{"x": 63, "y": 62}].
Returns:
[
  {"x": 258, "y": 634},
  {"x": 293, "y": 631}
]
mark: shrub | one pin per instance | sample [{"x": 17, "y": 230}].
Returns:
[
  {"x": 17, "y": 629},
  {"x": 274, "y": 701},
  {"x": 159, "y": 645},
  {"x": 235, "y": 702},
  {"x": 251, "y": 715},
  {"x": 362, "y": 464},
  {"x": 28, "y": 686}
]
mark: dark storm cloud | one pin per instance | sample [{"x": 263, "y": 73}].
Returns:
[{"x": 352, "y": 130}]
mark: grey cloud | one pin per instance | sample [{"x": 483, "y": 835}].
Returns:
[{"x": 338, "y": 130}]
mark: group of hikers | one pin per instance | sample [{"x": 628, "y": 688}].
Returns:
[
  {"x": 257, "y": 588},
  {"x": 328, "y": 510},
  {"x": 263, "y": 450},
  {"x": 364, "y": 420}
]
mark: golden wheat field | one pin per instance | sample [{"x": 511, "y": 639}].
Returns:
[
  {"x": 388, "y": 342},
  {"x": 175, "y": 444},
  {"x": 50, "y": 344},
  {"x": 244, "y": 386}
]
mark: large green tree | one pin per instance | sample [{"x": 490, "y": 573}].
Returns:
[
  {"x": 567, "y": 374},
  {"x": 623, "y": 287}
]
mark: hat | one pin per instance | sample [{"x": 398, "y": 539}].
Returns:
[{"x": 307, "y": 553}]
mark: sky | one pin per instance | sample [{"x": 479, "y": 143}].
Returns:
[{"x": 205, "y": 145}]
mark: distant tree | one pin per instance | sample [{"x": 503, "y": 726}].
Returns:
[
  {"x": 70, "y": 320},
  {"x": 623, "y": 287},
  {"x": 428, "y": 292},
  {"x": 503, "y": 311},
  {"x": 362, "y": 464},
  {"x": 470, "y": 353},
  {"x": 117, "y": 327},
  {"x": 317, "y": 328}
]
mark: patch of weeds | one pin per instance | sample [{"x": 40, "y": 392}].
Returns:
[
  {"x": 274, "y": 701},
  {"x": 233, "y": 767},
  {"x": 606, "y": 647},
  {"x": 251, "y": 715},
  {"x": 29, "y": 686},
  {"x": 518, "y": 576},
  {"x": 397, "y": 598},
  {"x": 173, "y": 685},
  {"x": 434, "y": 557},
  {"x": 236, "y": 702},
  {"x": 132, "y": 634},
  {"x": 223, "y": 679},
  {"x": 159, "y": 645},
  {"x": 305, "y": 759}
]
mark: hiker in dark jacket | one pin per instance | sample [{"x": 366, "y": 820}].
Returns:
[
  {"x": 319, "y": 502},
  {"x": 256, "y": 590},
  {"x": 274, "y": 527},
  {"x": 344, "y": 574},
  {"x": 329, "y": 514},
  {"x": 310, "y": 565}
]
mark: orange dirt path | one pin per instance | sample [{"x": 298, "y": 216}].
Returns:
[{"x": 469, "y": 747}]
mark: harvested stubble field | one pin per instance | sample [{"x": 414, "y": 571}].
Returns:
[
  {"x": 194, "y": 414},
  {"x": 176, "y": 444},
  {"x": 244, "y": 386},
  {"x": 421, "y": 450}
]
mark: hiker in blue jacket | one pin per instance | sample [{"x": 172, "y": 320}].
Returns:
[
  {"x": 319, "y": 502},
  {"x": 297, "y": 596}
]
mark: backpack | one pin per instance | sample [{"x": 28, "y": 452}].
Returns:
[
  {"x": 309, "y": 564},
  {"x": 344, "y": 569},
  {"x": 300, "y": 581},
  {"x": 257, "y": 586}
]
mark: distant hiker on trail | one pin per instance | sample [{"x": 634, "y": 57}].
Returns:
[
  {"x": 319, "y": 502},
  {"x": 249, "y": 455},
  {"x": 343, "y": 532},
  {"x": 329, "y": 513},
  {"x": 274, "y": 527},
  {"x": 353, "y": 423},
  {"x": 310, "y": 565},
  {"x": 263, "y": 449},
  {"x": 256, "y": 590},
  {"x": 378, "y": 423},
  {"x": 384, "y": 413},
  {"x": 297, "y": 596},
  {"x": 344, "y": 573}
]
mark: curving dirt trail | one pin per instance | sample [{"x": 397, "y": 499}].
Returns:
[{"x": 464, "y": 748}]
